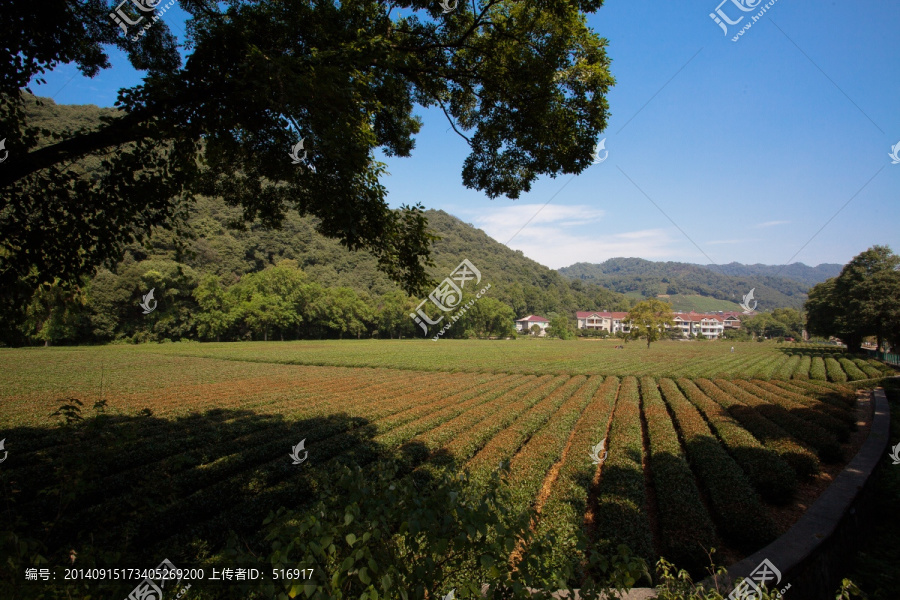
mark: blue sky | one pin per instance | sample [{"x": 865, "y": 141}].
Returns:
[{"x": 770, "y": 149}]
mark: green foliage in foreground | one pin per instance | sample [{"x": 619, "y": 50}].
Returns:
[
  {"x": 404, "y": 537},
  {"x": 678, "y": 585}
]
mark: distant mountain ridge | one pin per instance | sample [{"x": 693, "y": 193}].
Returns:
[
  {"x": 800, "y": 272},
  {"x": 774, "y": 286}
]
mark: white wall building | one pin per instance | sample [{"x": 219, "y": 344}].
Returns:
[
  {"x": 712, "y": 326},
  {"x": 524, "y": 325},
  {"x": 610, "y": 321}
]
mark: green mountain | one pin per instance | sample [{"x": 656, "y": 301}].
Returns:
[
  {"x": 215, "y": 277},
  {"x": 772, "y": 287},
  {"x": 799, "y": 272},
  {"x": 214, "y": 280},
  {"x": 525, "y": 285}
]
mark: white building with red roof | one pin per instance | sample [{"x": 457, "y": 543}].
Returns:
[
  {"x": 610, "y": 321},
  {"x": 710, "y": 325},
  {"x": 524, "y": 325}
]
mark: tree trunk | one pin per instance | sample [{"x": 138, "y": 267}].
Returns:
[{"x": 265, "y": 335}]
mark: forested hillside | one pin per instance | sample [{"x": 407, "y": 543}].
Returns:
[
  {"x": 213, "y": 281},
  {"x": 725, "y": 282},
  {"x": 215, "y": 276},
  {"x": 799, "y": 272}
]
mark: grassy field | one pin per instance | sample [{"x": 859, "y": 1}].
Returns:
[
  {"x": 194, "y": 438},
  {"x": 534, "y": 356}
]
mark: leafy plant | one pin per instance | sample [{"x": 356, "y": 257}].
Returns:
[
  {"x": 70, "y": 410},
  {"x": 393, "y": 537},
  {"x": 678, "y": 585}
]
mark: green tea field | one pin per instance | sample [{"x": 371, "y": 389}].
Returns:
[{"x": 705, "y": 447}]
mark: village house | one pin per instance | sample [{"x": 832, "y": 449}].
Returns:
[
  {"x": 610, "y": 321},
  {"x": 524, "y": 324},
  {"x": 709, "y": 325}
]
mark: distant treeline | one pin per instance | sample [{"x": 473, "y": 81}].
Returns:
[
  {"x": 279, "y": 302},
  {"x": 214, "y": 278}
]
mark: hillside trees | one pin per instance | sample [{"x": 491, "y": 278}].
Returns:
[
  {"x": 271, "y": 298},
  {"x": 652, "y": 278},
  {"x": 863, "y": 300},
  {"x": 392, "y": 315},
  {"x": 345, "y": 77},
  {"x": 55, "y": 313},
  {"x": 781, "y": 322},
  {"x": 342, "y": 310},
  {"x": 215, "y": 316},
  {"x": 561, "y": 327},
  {"x": 486, "y": 317}
]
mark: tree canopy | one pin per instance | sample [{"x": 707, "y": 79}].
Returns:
[
  {"x": 524, "y": 83},
  {"x": 864, "y": 300},
  {"x": 781, "y": 322},
  {"x": 648, "y": 320}
]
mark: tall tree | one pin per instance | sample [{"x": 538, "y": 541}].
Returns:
[
  {"x": 392, "y": 315},
  {"x": 648, "y": 320},
  {"x": 561, "y": 327},
  {"x": 863, "y": 300},
  {"x": 216, "y": 313},
  {"x": 523, "y": 83}
]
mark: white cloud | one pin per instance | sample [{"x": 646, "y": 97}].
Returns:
[
  {"x": 559, "y": 236},
  {"x": 504, "y": 223},
  {"x": 561, "y": 249}
]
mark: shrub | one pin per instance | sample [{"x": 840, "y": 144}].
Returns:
[
  {"x": 685, "y": 528},
  {"x": 800, "y": 406},
  {"x": 531, "y": 464},
  {"x": 828, "y": 403},
  {"x": 817, "y": 369},
  {"x": 809, "y": 433},
  {"x": 564, "y": 510},
  {"x": 788, "y": 367},
  {"x": 835, "y": 372},
  {"x": 620, "y": 515},
  {"x": 740, "y": 515},
  {"x": 804, "y": 462},
  {"x": 503, "y": 445},
  {"x": 802, "y": 371},
  {"x": 772, "y": 477},
  {"x": 870, "y": 370},
  {"x": 853, "y": 372}
]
